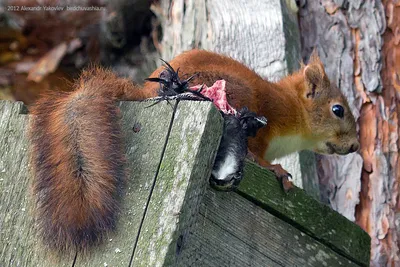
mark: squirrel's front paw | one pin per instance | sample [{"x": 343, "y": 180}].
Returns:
[{"x": 282, "y": 175}]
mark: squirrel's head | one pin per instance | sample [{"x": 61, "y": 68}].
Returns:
[{"x": 331, "y": 120}]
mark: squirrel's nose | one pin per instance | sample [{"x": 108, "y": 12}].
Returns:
[{"x": 354, "y": 147}]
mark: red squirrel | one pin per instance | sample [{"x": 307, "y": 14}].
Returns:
[
  {"x": 77, "y": 148},
  {"x": 304, "y": 110}
]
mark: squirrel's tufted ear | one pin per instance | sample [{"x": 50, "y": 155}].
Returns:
[
  {"x": 314, "y": 58},
  {"x": 314, "y": 75}
]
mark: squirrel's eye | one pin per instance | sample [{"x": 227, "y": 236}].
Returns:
[{"x": 338, "y": 110}]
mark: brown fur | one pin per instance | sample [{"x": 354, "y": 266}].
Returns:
[
  {"x": 285, "y": 104},
  {"x": 77, "y": 145},
  {"x": 78, "y": 160}
]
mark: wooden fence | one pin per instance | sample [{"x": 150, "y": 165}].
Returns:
[{"x": 180, "y": 221}]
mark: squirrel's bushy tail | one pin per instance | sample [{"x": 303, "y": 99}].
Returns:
[{"x": 78, "y": 163}]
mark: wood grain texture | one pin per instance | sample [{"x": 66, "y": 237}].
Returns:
[
  {"x": 298, "y": 208},
  {"x": 144, "y": 150},
  {"x": 358, "y": 43},
  {"x": 180, "y": 225},
  {"x": 232, "y": 231},
  {"x": 19, "y": 243},
  {"x": 183, "y": 176},
  {"x": 263, "y": 35},
  {"x": 182, "y": 179},
  {"x": 309, "y": 178}
]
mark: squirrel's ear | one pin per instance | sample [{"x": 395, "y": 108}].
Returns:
[
  {"x": 314, "y": 58},
  {"x": 314, "y": 76}
]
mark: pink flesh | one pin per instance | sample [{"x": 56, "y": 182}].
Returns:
[{"x": 217, "y": 94}]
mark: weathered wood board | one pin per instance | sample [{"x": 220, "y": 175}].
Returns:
[
  {"x": 144, "y": 148},
  {"x": 196, "y": 131},
  {"x": 182, "y": 179},
  {"x": 19, "y": 244},
  {"x": 181, "y": 221},
  {"x": 235, "y": 232},
  {"x": 312, "y": 217}
]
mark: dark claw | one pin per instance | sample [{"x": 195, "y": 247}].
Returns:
[
  {"x": 171, "y": 85},
  {"x": 154, "y": 79},
  {"x": 285, "y": 183},
  {"x": 201, "y": 88},
  {"x": 169, "y": 67},
  {"x": 159, "y": 80},
  {"x": 192, "y": 77}
]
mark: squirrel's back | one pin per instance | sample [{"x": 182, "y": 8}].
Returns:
[
  {"x": 304, "y": 109},
  {"x": 78, "y": 160}
]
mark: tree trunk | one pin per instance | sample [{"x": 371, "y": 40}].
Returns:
[
  {"x": 354, "y": 43},
  {"x": 261, "y": 34}
]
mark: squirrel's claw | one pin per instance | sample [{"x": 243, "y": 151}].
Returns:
[
  {"x": 191, "y": 78},
  {"x": 168, "y": 66},
  {"x": 158, "y": 80},
  {"x": 282, "y": 176},
  {"x": 285, "y": 183}
]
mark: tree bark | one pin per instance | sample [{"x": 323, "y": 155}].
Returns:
[
  {"x": 354, "y": 43},
  {"x": 263, "y": 35}
]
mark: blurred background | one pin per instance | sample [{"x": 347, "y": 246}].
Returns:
[
  {"x": 44, "y": 48},
  {"x": 41, "y": 49}
]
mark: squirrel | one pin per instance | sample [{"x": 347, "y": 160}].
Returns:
[
  {"x": 305, "y": 110},
  {"x": 77, "y": 147}
]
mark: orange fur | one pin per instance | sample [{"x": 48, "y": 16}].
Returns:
[
  {"x": 77, "y": 145},
  {"x": 78, "y": 159},
  {"x": 284, "y": 104}
]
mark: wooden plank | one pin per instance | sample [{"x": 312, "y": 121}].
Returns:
[
  {"x": 19, "y": 243},
  {"x": 174, "y": 205},
  {"x": 13, "y": 204},
  {"x": 194, "y": 135},
  {"x": 211, "y": 245},
  {"x": 181, "y": 182},
  {"x": 308, "y": 215},
  {"x": 144, "y": 148},
  {"x": 233, "y": 231}
]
